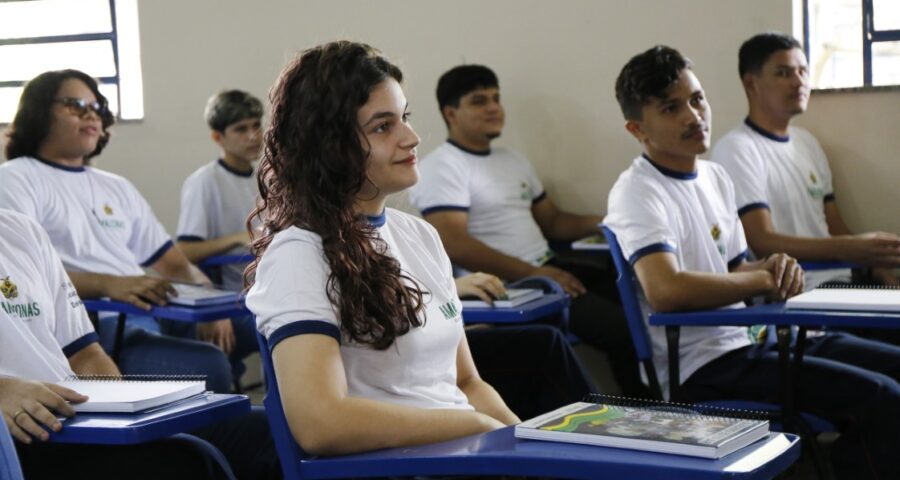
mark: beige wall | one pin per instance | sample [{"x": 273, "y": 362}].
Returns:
[{"x": 557, "y": 62}]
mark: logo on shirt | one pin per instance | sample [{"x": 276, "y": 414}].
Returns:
[
  {"x": 107, "y": 209},
  {"x": 449, "y": 309},
  {"x": 524, "y": 195},
  {"x": 716, "y": 232},
  {"x": 109, "y": 222},
  {"x": 812, "y": 178},
  {"x": 21, "y": 310},
  {"x": 8, "y": 288}
]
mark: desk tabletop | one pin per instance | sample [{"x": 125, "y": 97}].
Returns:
[
  {"x": 778, "y": 314},
  {"x": 548, "y": 304},
  {"x": 172, "y": 312}
]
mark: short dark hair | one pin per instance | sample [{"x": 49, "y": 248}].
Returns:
[
  {"x": 458, "y": 81},
  {"x": 649, "y": 74},
  {"x": 229, "y": 107},
  {"x": 756, "y": 51},
  {"x": 31, "y": 124}
]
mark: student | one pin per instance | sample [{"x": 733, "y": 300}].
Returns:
[
  {"x": 215, "y": 203},
  {"x": 357, "y": 301},
  {"x": 783, "y": 184},
  {"x": 493, "y": 215},
  {"x": 102, "y": 228},
  {"x": 677, "y": 223},
  {"x": 45, "y": 336}
]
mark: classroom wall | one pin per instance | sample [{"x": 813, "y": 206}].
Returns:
[{"x": 557, "y": 62}]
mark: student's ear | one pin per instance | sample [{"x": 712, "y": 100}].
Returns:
[
  {"x": 449, "y": 114},
  {"x": 749, "y": 83},
  {"x": 634, "y": 128},
  {"x": 216, "y": 136}
]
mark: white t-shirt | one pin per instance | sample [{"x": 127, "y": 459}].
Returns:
[
  {"x": 419, "y": 369},
  {"x": 787, "y": 175},
  {"x": 42, "y": 320},
  {"x": 97, "y": 221},
  {"x": 497, "y": 189},
  {"x": 215, "y": 202},
  {"x": 693, "y": 216}
]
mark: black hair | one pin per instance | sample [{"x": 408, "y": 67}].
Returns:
[
  {"x": 755, "y": 52},
  {"x": 646, "y": 75},
  {"x": 458, "y": 81},
  {"x": 31, "y": 124},
  {"x": 229, "y": 107}
]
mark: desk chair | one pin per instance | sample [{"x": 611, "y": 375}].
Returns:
[
  {"x": 9, "y": 460},
  {"x": 807, "y": 425}
]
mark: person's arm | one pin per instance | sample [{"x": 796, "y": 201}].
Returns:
[
  {"x": 471, "y": 254},
  {"x": 482, "y": 396},
  {"x": 836, "y": 226},
  {"x": 27, "y": 405},
  {"x": 563, "y": 226},
  {"x": 197, "y": 250},
  {"x": 875, "y": 248},
  {"x": 175, "y": 266},
  {"x": 326, "y": 420},
  {"x": 92, "y": 360},
  {"x": 485, "y": 286},
  {"x": 138, "y": 290},
  {"x": 669, "y": 289}
]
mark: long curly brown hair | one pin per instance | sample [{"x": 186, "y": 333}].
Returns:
[{"x": 313, "y": 168}]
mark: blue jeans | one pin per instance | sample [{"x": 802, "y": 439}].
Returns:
[
  {"x": 244, "y": 337},
  {"x": 850, "y": 381},
  {"x": 147, "y": 352}
]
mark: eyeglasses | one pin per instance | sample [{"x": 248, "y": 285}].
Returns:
[{"x": 80, "y": 106}]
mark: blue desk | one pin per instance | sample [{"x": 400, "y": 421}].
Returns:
[
  {"x": 219, "y": 260},
  {"x": 549, "y": 304},
  {"x": 778, "y": 314},
  {"x": 500, "y": 451},
  {"x": 131, "y": 428},
  {"x": 179, "y": 313}
]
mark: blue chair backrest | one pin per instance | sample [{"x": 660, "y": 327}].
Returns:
[
  {"x": 626, "y": 283},
  {"x": 10, "y": 469},
  {"x": 289, "y": 452}
]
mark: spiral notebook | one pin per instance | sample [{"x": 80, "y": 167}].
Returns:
[
  {"x": 870, "y": 298},
  {"x": 648, "y": 425},
  {"x": 131, "y": 394},
  {"x": 199, "y": 295}
]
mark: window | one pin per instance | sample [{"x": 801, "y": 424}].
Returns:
[
  {"x": 99, "y": 37},
  {"x": 852, "y": 43}
]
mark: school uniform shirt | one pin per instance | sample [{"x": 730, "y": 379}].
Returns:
[
  {"x": 497, "y": 189},
  {"x": 215, "y": 202},
  {"x": 42, "y": 320},
  {"x": 419, "y": 370},
  {"x": 96, "y": 220},
  {"x": 692, "y": 216},
  {"x": 789, "y": 176}
]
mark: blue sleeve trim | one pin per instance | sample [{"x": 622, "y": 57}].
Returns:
[
  {"x": 752, "y": 206},
  {"x": 190, "y": 238},
  {"x": 737, "y": 260},
  {"x": 78, "y": 345},
  {"x": 644, "y": 251},
  {"x": 444, "y": 208},
  {"x": 538, "y": 198},
  {"x": 304, "y": 327},
  {"x": 159, "y": 253},
  {"x": 829, "y": 197}
]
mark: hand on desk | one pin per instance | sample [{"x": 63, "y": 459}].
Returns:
[
  {"x": 786, "y": 274},
  {"x": 25, "y": 404},
  {"x": 482, "y": 285},
  {"x": 140, "y": 289},
  {"x": 879, "y": 249},
  {"x": 885, "y": 276},
  {"x": 220, "y": 333},
  {"x": 566, "y": 280}
]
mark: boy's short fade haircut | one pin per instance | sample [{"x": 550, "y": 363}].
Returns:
[
  {"x": 231, "y": 106},
  {"x": 755, "y": 52},
  {"x": 646, "y": 75},
  {"x": 458, "y": 81}
]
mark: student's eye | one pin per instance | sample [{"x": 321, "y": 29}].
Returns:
[
  {"x": 406, "y": 116},
  {"x": 479, "y": 101},
  {"x": 382, "y": 127},
  {"x": 668, "y": 109}
]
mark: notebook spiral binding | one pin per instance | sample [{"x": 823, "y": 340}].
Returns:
[
  {"x": 137, "y": 378},
  {"x": 857, "y": 286},
  {"x": 675, "y": 408}
]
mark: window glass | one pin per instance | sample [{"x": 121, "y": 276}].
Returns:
[
  {"x": 886, "y": 63},
  {"x": 835, "y": 43},
  {"x": 45, "y": 18},
  {"x": 886, "y": 14},
  {"x": 24, "y": 62}
]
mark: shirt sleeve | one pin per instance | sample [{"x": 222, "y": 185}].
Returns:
[
  {"x": 443, "y": 184},
  {"x": 289, "y": 294},
  {"x": 747, "y": 170},
  {"x": 640, "y": 220},
  {"x": 18, "y": 193},
  {"x": 149, "y": 240},
  {"x": 193, "y": 221}
]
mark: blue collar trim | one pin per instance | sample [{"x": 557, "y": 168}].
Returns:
[
  {"x": 58, "y": 165},
  {"x": 377, "y": 221},
  {"x": 482, "y": 153},
  {"x": 771, "y": 136},
  {"x": 236, "y": 172},
  {"x": 669, "y": 172}
]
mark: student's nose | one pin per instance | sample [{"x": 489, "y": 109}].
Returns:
[{"x": 410, "y": 139}]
